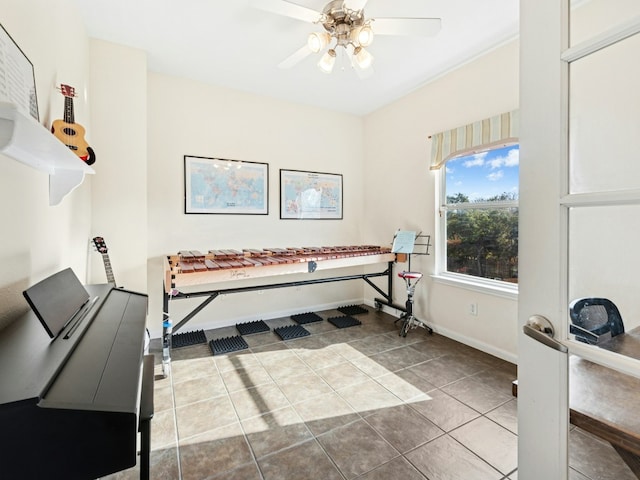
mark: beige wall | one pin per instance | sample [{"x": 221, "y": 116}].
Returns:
[
  {"x": 190, "y": 118},
  {"x": 37, "y": 239},
  {"x": 400, "y": 191},
  {"x": 119, "y": 190}
]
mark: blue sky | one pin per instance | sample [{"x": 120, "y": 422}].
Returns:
[{"x": 484, "y": 175}]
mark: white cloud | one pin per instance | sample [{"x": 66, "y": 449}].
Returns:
[
  {"x": 476, "y": 160},
  {"x": 495, "y": 176},
  {"x": 512, "y": 159}
]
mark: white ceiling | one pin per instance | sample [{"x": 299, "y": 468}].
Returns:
[{"x": 232, "y": 44}]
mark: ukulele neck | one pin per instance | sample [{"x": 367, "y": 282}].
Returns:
[{"x": 68, "y": 110}]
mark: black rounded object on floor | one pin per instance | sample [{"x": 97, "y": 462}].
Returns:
[
  {"x": 308, "y": 317},
  {"x": 352, "y": 309},
  {"x": 344, "y": 322},
  {"x": 227, "y": 345},
  {"x": 188, "y": 338},
  {"x": 289, "y": 332},
  {"x": 256, "y": 326}
]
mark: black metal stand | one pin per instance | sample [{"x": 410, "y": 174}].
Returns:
[
  {"x": 422, "y": 242},
  {"x": 211, "y": 295}
]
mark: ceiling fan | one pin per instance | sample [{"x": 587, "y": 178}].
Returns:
[{"x": 346, "y": 26}]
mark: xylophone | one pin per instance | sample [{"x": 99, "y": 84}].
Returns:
[{"x": 191, "y": 268}]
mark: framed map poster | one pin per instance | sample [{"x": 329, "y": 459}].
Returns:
[
  {"x": 17, "y": 80},
  {"x": 310, "y": 195},
  {"x": 216, "y": 185}
]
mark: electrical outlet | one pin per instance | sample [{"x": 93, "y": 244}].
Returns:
[{"x": 473, "y": 309}]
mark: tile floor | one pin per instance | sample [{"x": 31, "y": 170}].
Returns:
[{"x": 355, "y": 403}]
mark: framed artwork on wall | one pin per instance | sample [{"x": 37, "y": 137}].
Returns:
[
  {"x": 17, "y": 80},
  {"x": 216, "y": 185},
  {"x": 310, "y": 195}
]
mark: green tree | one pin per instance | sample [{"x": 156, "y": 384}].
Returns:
[{"x": 483, "y": 241}]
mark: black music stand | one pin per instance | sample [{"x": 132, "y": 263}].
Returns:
[{"x": 408, "y": 243}]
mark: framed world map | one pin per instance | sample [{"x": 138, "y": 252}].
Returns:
[
  {"x": 310, "y": 195},
  {"x": 216, "y": 185}
]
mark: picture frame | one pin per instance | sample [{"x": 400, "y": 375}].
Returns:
[
  {"x": 17, "y": 77},
  {"x": 223, "y": 186},
  {"x": 308, "y": 195}
]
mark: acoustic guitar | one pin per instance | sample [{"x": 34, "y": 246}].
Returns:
[
  {"x": 101, "y": 247},
  {"x": 71, "y": 133}
]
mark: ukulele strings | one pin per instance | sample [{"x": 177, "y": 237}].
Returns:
[{"x": 69, "y": 120}]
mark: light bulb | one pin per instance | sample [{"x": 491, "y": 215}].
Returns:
[
  {"x": 364, "y": 36},
  {"x": 317, "y": 41},
  {"x": 363, "y": 58},
  {"x": 327, "y": 61}
]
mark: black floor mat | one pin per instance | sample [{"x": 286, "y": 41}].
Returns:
[
  {"x": 248, "y": 328},
  {"x": 227, "y": 345},
  {"x": 308, "y": 317},
  {"x": 352, "y": 309},
  {"x": 344, "y": 322},
  {"x": 290, "y": 332},
  {"x": 188, "y": 338}
]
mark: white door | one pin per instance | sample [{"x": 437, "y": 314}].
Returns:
[{"x": 579, "y": 200}]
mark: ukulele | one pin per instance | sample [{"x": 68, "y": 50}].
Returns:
[
  {"x": 101, "y": 247},
  {"x": 71, "y": 133}
]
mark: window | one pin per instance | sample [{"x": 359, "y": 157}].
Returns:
[{"x": 479, "y": 215}]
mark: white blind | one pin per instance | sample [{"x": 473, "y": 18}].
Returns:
[{"x": 475, "y": 137}]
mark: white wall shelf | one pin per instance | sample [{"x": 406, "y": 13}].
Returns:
[{"x": 25, "y": 140}]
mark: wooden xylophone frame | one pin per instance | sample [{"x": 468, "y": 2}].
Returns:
[{"x": 194, "y": 269}]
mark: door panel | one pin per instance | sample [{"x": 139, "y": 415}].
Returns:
[
  {"x": 543, "y": 421},
  {"x": 546, "y": 413},
  {"x": 604, "y": 257},
  {"x": 579, "y": 200},
  {"x": 579, "y": 203},
  {"x": 604, "y": 128}
]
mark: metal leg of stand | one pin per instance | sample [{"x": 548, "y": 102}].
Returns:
[{"x": 409, "y": 321}]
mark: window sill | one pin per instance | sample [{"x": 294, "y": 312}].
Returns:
[{"x": 487, "y": 287}]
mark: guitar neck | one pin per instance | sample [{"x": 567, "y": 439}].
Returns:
[{"x": 107, "y": 268}]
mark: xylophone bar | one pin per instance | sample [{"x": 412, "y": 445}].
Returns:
[{"x": 191, "y": 268}]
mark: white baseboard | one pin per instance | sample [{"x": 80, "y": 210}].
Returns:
[
  {"x": 472, "y": 342},
  {"x": 469, "y": 341}
]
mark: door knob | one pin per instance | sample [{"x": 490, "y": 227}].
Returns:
[{"x": 541, "y": 329}]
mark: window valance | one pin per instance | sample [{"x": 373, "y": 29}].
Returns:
[{"x": 475, "y": 137}]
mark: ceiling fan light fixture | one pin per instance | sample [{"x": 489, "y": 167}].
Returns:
[
  {"x": 362, "y": 36},
  {"x": 363, "y": 58},
  {"x": 327, "y": 61},
  {"x": 317, "y": 41}
]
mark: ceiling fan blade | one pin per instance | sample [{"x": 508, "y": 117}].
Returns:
[
  {"x": 356, "y": 4},
  {"x": 288, "y": 9},
  {"x": 296, "y": 57},
  {"x": 415, "y": 27}
]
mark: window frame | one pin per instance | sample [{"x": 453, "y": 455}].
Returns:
[{"x": 469, "y": 282}]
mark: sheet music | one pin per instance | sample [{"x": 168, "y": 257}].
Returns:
[
  {"x": 17, "y": 83},
  {"x": 404, "y": 242}
]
